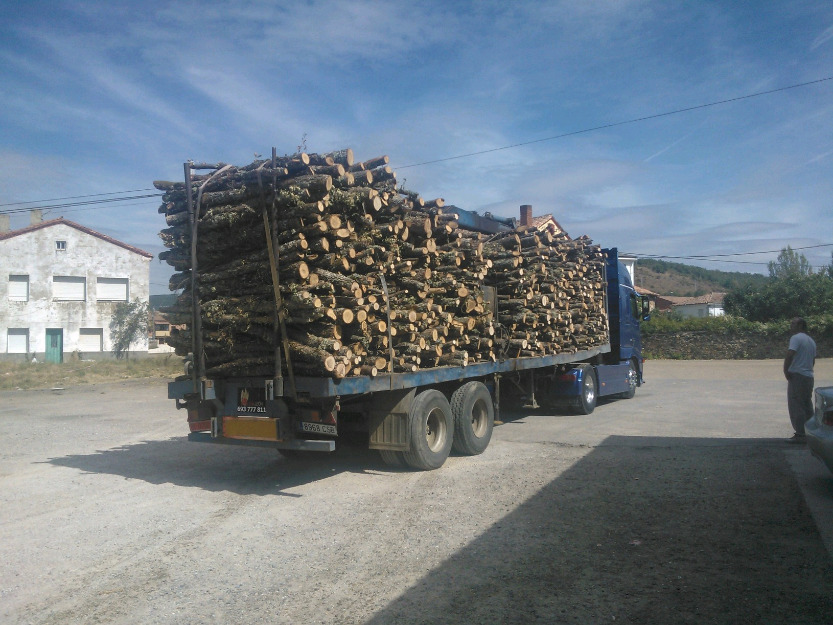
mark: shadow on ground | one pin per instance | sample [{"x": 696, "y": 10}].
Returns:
[
  {"x": 642, "y": 531},
  {"x": 242, "y": 470}
]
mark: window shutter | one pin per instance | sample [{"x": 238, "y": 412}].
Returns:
[
  {"x": 69, "y": 288},
  {"x": 18, "y": 341},
  {"x": 112, "y": 289},
  {"x": 19, "y": 288},
  {"x": 90, "y": 339}
]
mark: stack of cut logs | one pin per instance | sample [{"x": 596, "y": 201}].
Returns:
[{"x": 372, "y": 278}]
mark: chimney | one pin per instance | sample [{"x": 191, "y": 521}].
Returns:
[
  {"x": 526, "y": 215},
  {"x": 35, "y": 216},
  {"x": 4, "y": 224}
]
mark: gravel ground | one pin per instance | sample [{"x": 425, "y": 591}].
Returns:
[{"x": 681, "y": 505}]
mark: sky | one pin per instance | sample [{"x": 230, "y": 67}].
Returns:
[{"x": 577, "y": 108}]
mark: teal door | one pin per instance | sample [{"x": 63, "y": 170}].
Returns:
[{"x": 54, "y": 345}]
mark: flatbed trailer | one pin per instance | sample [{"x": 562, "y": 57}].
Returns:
[{"x": 416, "y": 418}]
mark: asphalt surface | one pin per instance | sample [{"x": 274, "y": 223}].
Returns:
[{"x": 682, "y": 505}]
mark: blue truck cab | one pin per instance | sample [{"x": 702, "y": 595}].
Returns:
[{"x": 619, "y": 372}]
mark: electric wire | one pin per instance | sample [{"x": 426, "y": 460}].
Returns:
[
  {"x": 620, "y": 123},
  {"x": 102, "y": 202},
  {"x": 77, "y": 197},
  {"x": 478, "y": 153},
  {"x": 707, "y": 256}
]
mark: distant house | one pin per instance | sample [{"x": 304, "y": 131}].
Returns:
[
  {"x": 161, "y": 327},
  {"x": 544, "y": 222},
  {"x": 654, "y": 299},
  {"x": 59, "y": 286},
  {"x": 710, "y": 305}
]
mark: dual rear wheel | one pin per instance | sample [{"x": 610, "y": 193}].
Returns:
[{"x": 435, "y": 426}]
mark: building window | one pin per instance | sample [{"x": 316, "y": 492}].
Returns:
[
  {"x": 60, "y": 246},
  {"x": 112, "y": 289},
  {"x": 17, "y": 341},
  {"x": 69, "y": 288},
  {"x": 91, "y": 339},
  {"x": 19, "y": 288}
]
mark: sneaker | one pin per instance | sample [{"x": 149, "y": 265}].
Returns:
[{"x": 797, "y": 438}]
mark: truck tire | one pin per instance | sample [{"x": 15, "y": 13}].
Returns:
[
  {"x": 432, "y": 430},
  {"x": 474, "y": 418},
  {"x": 392, "y": 458},
  {"x": 633, "y": 380},
  {"x": 586, "y": 402}
]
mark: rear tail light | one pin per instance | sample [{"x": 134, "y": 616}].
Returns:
[
  {"x": 196, "y": 422},
  {"x": 827, "y": 417}
]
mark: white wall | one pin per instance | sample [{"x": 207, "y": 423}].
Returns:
[
  {"x": 86, "y": 256},
  {"x": 630, "y": 264},
  {"x": 699, "y": 310}
]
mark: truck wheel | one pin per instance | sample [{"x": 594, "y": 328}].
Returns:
[
  {"x": 586, "y": 402},
  {"x": 392, "y": 458},
  {"x": 474, "y": 418},
  {"x": 633, "y": 380},
  {"x": 431, "y": 428}
]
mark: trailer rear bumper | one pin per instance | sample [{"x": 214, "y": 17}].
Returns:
[{"x": 300, "y": 445}]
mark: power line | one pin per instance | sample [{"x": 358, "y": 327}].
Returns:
[
  {"x": 98, "y": 203},
  {"x": 622, "y": 123},
  {"x": 469, "y": 154},
  {"x": 64, "y": 205},
  {"x": 710, "y": 256},
  {"x": 76, "y": 197}
]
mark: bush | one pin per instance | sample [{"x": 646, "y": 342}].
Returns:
[
  {"x": 668, "y": 323},
  {"x": 663, "y": 323}
]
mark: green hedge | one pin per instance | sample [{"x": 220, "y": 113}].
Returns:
[
  {"x": 673, "y": 336},
  {"x": 663, "y": 323}
]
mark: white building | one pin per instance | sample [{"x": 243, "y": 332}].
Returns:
[
  {"x": 710, "y": 305},
  {"x": 59, "y": 285}
]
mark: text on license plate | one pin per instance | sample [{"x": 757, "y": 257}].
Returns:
[{"x": 319, "y": 428}]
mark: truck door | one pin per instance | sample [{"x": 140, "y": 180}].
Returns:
[{"x": 629, "y": 337}]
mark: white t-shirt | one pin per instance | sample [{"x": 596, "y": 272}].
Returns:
[{"x": 805, "y": 354}]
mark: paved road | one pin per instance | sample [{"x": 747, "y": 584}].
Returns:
[{"x": 683, "y": 505}]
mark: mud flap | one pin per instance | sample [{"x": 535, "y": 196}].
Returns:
[{"x": 389, "y": 419}]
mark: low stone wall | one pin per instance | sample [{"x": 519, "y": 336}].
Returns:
[{"x": 704, "y": 345}]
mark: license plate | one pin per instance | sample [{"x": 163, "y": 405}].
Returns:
[
  {"x": 319, "y": 428},
  {"x": 251, "y": 428},
  {"x": 251, "y": 401}
]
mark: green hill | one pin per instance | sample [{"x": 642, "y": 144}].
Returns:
[{"x": 666, "y": 278}]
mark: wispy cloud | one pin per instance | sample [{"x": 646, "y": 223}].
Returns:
[{"x": 823, "y": 38}]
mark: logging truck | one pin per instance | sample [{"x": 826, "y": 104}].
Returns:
[
  {"x": 321, "y": 303},
  {"x": 417, "y": 418}
]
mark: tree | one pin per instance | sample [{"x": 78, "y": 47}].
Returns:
[
  {"x": 789, "y": 264},
  {"x": 792, "y": 290},
  {"x": 129, "y": 323}
]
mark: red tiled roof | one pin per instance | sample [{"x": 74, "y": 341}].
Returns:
[
  {"x": 711, "y": 298},
  {"x": 72, "y": 224},
  {"x": 643, "y": 291},
  {"x": 542, "y": 221}
]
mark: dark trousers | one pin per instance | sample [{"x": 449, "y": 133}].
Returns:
[{"x": 799, "y": 400}]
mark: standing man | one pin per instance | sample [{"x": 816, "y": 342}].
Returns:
[{"x": 798, "y": 369}]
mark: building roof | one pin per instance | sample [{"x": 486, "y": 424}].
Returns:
[
  {"x": 61, "y": 221},
  {"x": 644, "y": 291},
  {"x": 542, "y": 221},
  {"x": 711, "y": 298}
]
